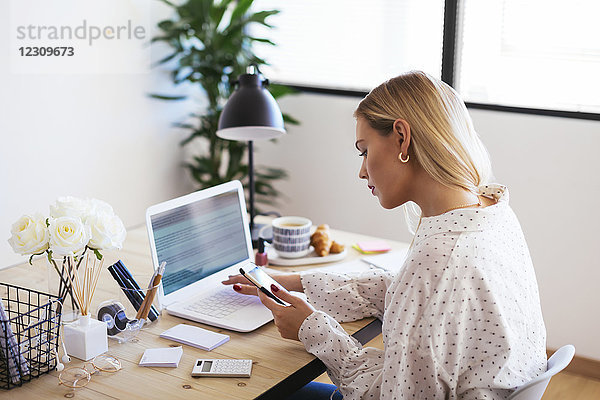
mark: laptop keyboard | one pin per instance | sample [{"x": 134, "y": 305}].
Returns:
[{"x": 220, "y": 304}]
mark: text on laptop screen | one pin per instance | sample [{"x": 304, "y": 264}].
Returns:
[{"x": 199, "y": 239}]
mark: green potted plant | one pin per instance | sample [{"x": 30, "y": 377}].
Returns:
[{"x": 211, "y": 46}]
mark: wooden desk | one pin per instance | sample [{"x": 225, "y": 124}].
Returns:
[{"x": 280, "y": 366}]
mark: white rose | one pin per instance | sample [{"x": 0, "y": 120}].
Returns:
[
  {"x": 68, "y": 236},
  {"x": 108, "y": 231},
  {"x": 70, "y": 206},
  {"x": 29, "y": 235},
  {"x": 99, "y": 207}
]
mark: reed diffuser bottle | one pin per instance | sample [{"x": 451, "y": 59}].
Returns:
[{"x": 85, "y": 338}]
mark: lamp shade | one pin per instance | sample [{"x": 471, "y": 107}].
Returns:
[{"x": 251, "y": 113}]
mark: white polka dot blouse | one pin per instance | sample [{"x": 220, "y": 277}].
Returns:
[{"x": 461, "y": 320}]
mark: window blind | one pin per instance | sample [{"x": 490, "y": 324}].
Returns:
[
  {"x": 530, "y": 53},
  {"x": 350, "y": 44}
]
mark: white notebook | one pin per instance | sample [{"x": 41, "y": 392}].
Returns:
[
  {"x": 392, "y": 261},
  {"x": 195, "y": 336},
  {"x": 162, "y": 357}
]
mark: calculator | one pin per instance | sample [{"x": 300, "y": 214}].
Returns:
[{"x": 223, "y": 368}]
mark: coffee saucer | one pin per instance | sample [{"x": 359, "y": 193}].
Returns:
[{"x": 310, "y": 258}]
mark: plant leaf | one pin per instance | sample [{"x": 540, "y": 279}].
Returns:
[
  {"x": 182, "y": 125},
  {"x": 166, "y": 24},
  {"x": 278, "y": 90},
  {"x": 169, "y": 3},
  {"x": 97, "y": 253},
  {"x": 261, "y": 16},
  {"x": 262, "y": 40},
  {"x": 241, "y": 9},
  {"x": 165, "y": 97},
  {"x": 217, "y": 12},
  {"x": 166, "y": 59},
  {"x": 160, "y": 38},
  {"x": 289, "y": 119}
]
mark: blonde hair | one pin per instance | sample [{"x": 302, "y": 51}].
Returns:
[{"x": 443, "y": 139}]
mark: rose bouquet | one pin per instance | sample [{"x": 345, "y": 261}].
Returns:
[{"x": 75, "y": 228}]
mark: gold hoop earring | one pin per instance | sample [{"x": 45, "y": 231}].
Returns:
[{"x": 404, "y": 161}]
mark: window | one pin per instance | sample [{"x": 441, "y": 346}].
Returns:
[
  {"x": 528, "y": 55},
  {"x": 350, "y": 44}
]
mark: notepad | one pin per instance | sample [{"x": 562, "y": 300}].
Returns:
[
  {"x": 392, "y": 261},
  {"x": 372, "y": 247},
  {"x": 195, "y": 336},
  {"x": 162, "y": 357}
]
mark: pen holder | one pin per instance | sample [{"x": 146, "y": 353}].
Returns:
[{"x": 133, "y": 299}]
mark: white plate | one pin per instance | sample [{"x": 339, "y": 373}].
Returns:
[{"x": 310, "y": 258}]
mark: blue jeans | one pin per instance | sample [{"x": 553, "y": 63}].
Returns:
[{"x": 315, "y": 391}]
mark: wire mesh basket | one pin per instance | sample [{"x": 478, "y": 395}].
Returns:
[{"x": 29, "y": 329}]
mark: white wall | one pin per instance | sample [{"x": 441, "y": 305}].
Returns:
[
  {"x": 548, "y": 163},
  {"x": 86, "y": 135}
]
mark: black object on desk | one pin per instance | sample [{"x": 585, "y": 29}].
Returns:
[
  {"x": 130, "y": 287},
  {"x": 29, "y": 328}
]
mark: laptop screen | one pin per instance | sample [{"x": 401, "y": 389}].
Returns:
[{"x": 199, "y": 239}]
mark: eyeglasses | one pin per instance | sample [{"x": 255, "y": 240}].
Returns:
[{"x": 78, "y": 377}]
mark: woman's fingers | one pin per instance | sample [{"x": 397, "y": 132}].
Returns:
[
  {"x": 235, "y": 279},
  {"x": 245, "y": 289},
  {"x": 269, "y": 302},
  {"x": 286, "y": 296},
  {"x": 241, "y": 284}
]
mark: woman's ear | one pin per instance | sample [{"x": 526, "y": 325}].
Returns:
[{"x": 402, "y": 134}]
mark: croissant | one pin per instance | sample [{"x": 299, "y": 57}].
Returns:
[
  {"x": 321, "y": 240},
  {"x": 336, "y": 248}
]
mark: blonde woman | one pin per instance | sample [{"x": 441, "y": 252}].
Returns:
[{"x": 462, "y": 318}]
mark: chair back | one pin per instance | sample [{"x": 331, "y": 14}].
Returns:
[{"x": 534, "y": 389}]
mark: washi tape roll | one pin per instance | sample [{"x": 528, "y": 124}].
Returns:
[{"x": 114, "y": 317}]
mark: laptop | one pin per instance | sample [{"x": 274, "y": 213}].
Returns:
[{"x": 204, "y": 237}]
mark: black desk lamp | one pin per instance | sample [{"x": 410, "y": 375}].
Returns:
[{"x": 251, "y": 113}]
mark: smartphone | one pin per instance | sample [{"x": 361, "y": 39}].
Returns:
[{"x": 262, "y": 281}]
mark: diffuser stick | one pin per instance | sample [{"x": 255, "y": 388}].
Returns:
[
  {"x": 74, "y": 286},
  {"x": 96, "y": 277}
]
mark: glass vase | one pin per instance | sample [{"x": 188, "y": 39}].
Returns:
[{"x": 60, "y": 285}]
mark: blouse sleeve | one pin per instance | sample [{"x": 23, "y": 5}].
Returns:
[
  {"x": 348, "y": 297},
  {"x": 357, "y": 371}
]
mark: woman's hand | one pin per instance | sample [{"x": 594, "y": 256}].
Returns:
[
  {"x": 288, "y": 319},
  {"x": 242, "y": 285}
]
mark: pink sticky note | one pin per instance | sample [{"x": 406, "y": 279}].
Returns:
[{"x": 374, "y": 246}]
